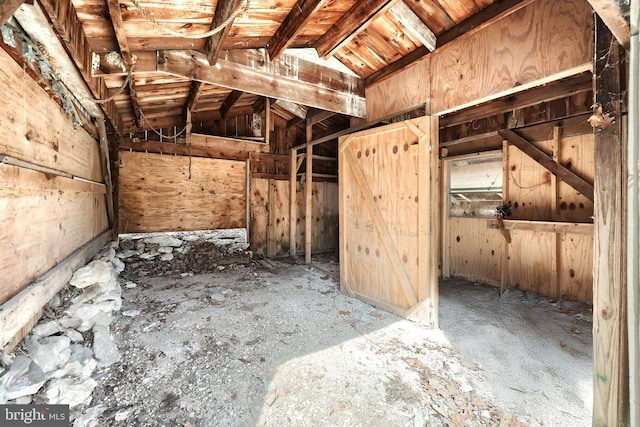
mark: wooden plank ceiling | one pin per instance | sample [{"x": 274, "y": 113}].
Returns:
[{"x": 253, "y": 57}]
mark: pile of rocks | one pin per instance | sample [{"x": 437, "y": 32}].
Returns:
[
  {"x": 71, "y": 347},
  {"x": 182, "y": 252}
]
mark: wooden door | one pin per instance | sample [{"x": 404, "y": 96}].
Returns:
[{"x": 389, "y": 208}]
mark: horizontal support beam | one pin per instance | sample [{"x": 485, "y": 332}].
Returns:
[
  {"x": 544, "y": 226},
  {"x": 261, "y": 80}
]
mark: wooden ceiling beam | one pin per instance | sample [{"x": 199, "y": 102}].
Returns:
[
  {"x": 270, "y": 80},
  {"x": 224, "y": 10},
  {"x": 258, "y": 105},
  {"x": 8, "y": 8},
  {"x": 474, "y": 23},
  {"x": 67, "y": 25},
  {"x": 414, "y": 25},
  {"x": 229, "y": 102},
  {"x": 291, "y": 26},
  {"x": 615, "y": 15},
  {"x": 129, "y": 62},
  {"x": 349, "y": 25}
]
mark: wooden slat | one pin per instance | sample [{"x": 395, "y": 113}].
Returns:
[
  {"x": 292, "y": 203},
  {"x": 291, "y": 26},
  {"x": 566, "y": 175},
  {"x": 183, "y": 150},
  {"x": 308, "y": 194},
  {"x": 213, "y": 141},
  {"x": 229, "y": 74},
  {"x": 348, "y": 26},
  {"x": 15, "y": 313},
  {"x": 414, "y": 25}
]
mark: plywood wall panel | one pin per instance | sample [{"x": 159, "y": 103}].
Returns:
[
  {"x": 531, "y": 261},
  {"x": 173, "y": 193},
  {"x": 45, "y": 218},
  {"x": 400, "y": 92},
  {"x": 35, "y": 129},
  {"x": 576, "y": 267},
  {"x": 539, "y": 40},
  {"x": 474, "y": 250},
  {"x": 259, "y": 215},
  {"x": 576, "y": 153}
]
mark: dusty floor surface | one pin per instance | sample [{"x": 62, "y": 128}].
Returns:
[{"x": 249, "y": 345}]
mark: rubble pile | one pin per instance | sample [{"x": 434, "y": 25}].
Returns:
[
  {"x": 182, "y": 252},
  {"x": 64, "y": 355}
]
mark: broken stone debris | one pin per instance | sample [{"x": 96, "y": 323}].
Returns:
[{"x": 62, "y": 353}]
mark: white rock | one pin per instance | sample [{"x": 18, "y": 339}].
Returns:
[
  {"x": 102, "y": 319},
  {"x": 128, "y": 253},
  {"x": 46, "y": 329},
  {"x": 18, "y": 368},
  {"x": 89, "y": 314},
  {"x": 70, "y": 322},
  {"x": 106, "y": 254},
  {"x": 104, "y": 348},
  {"x": 165, "y": 249},
  {"x": 217, "y": 297},
  {"x": 74, "y": 335},
  {"x": 149, "y": 255},
  {"x": 131, "y": 313},
  {"x": 140, "y": 247},
  {"x": 96, "y": 272},
  {"x": 164, "y": 240},
  {"x": 55, "y": 301},
  {"x": 50, "y": 353},
  {"x": 130, "y": 285},
  {"x": 117, "y": 265},
  {"x": 70, "y": 391},
  {"x": 123, "y": 414},
  {"x": 89, "y": 416},
  {"x": 24, "y": 400},
  {"x": 27, "y": 384},
  {"x": 167, "y": 257},
  {"x": 80, "y": 369}
]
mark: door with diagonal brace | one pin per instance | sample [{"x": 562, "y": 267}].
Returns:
[{"x": 388, "y": 183}]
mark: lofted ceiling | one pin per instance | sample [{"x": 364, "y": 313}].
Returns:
[{"x": 316, "y": 54}]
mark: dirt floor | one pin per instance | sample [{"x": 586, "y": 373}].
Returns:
[{"x": 277, "y": 344}]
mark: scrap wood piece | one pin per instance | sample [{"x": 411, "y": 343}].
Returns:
[{"x": 563, "y": 173}]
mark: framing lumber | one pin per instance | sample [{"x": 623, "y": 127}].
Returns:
[
  {"x": 564, "y": 174},
  {"x": 414, "y": 25},
  {"x": 121, "y": 37},
  {"x": 127, "y": 144},
  {"x": 247, "y": 204},
  {"x": 68, "y": 27},
  {"x": 214, "y": 44},
  {"x": 286, "y": 33},
  {"x": 615, "y": 14},
  {"x": 308, "y": 194},
  {"x": 610, "y": 375},
  {"x": 293, "y": 203},
  {"x": 229, "y": 102},
  {"x": 544, "y": 226},
  {"x": 16, "y": 313},
  {"x": 379, "y": 122},
  {"x": 8, "y": 8},
  {"x": 268, "y": 81},
  {"x": 349, "y": 25},
  {"x": 106, "y": 172}
]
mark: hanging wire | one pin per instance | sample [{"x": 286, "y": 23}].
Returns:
[
  {"x": 244, "y": 5},
  {"x": 174, "y": 137}
]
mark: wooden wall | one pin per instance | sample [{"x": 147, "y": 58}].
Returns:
[
  {"x": 173, "y": 193},
  {"x": 546, "y": 38},
  {"x": 45, "y": 210},
  {"x": 270, "y": 217},
  {"x": 543, "y": 255}
]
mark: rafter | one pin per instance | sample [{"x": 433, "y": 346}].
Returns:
[
  {"x": 229, "y": 102},
  {"x": 414, "y": 25},
  {"x": 270, "y": 79},
  {"x": 224, "y": 9},
  {"x": 349, "y": 25},
  {"x": 8, "y": 8},
  {"x": 291, "y": 26},
  {"x": 121, "y": 37},
  {"x": 615, "y": 15}
]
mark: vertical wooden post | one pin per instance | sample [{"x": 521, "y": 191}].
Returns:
[
  {"x": 293, "y": 170},
  {"x": 308, "y": 213},
  {"x": 434, "y": 221},
  {"x": 504, "y": 261},
  {"x": 610, "y": 381},
  {"x": 446, "y": 250},
  {"x": 267, "y": 122},
  {"x": 556, "y": 268},
  {"x": 106, "y": 172},
  {"x": 271, "y": 224},
  {"x": 247, "y": 204}
]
